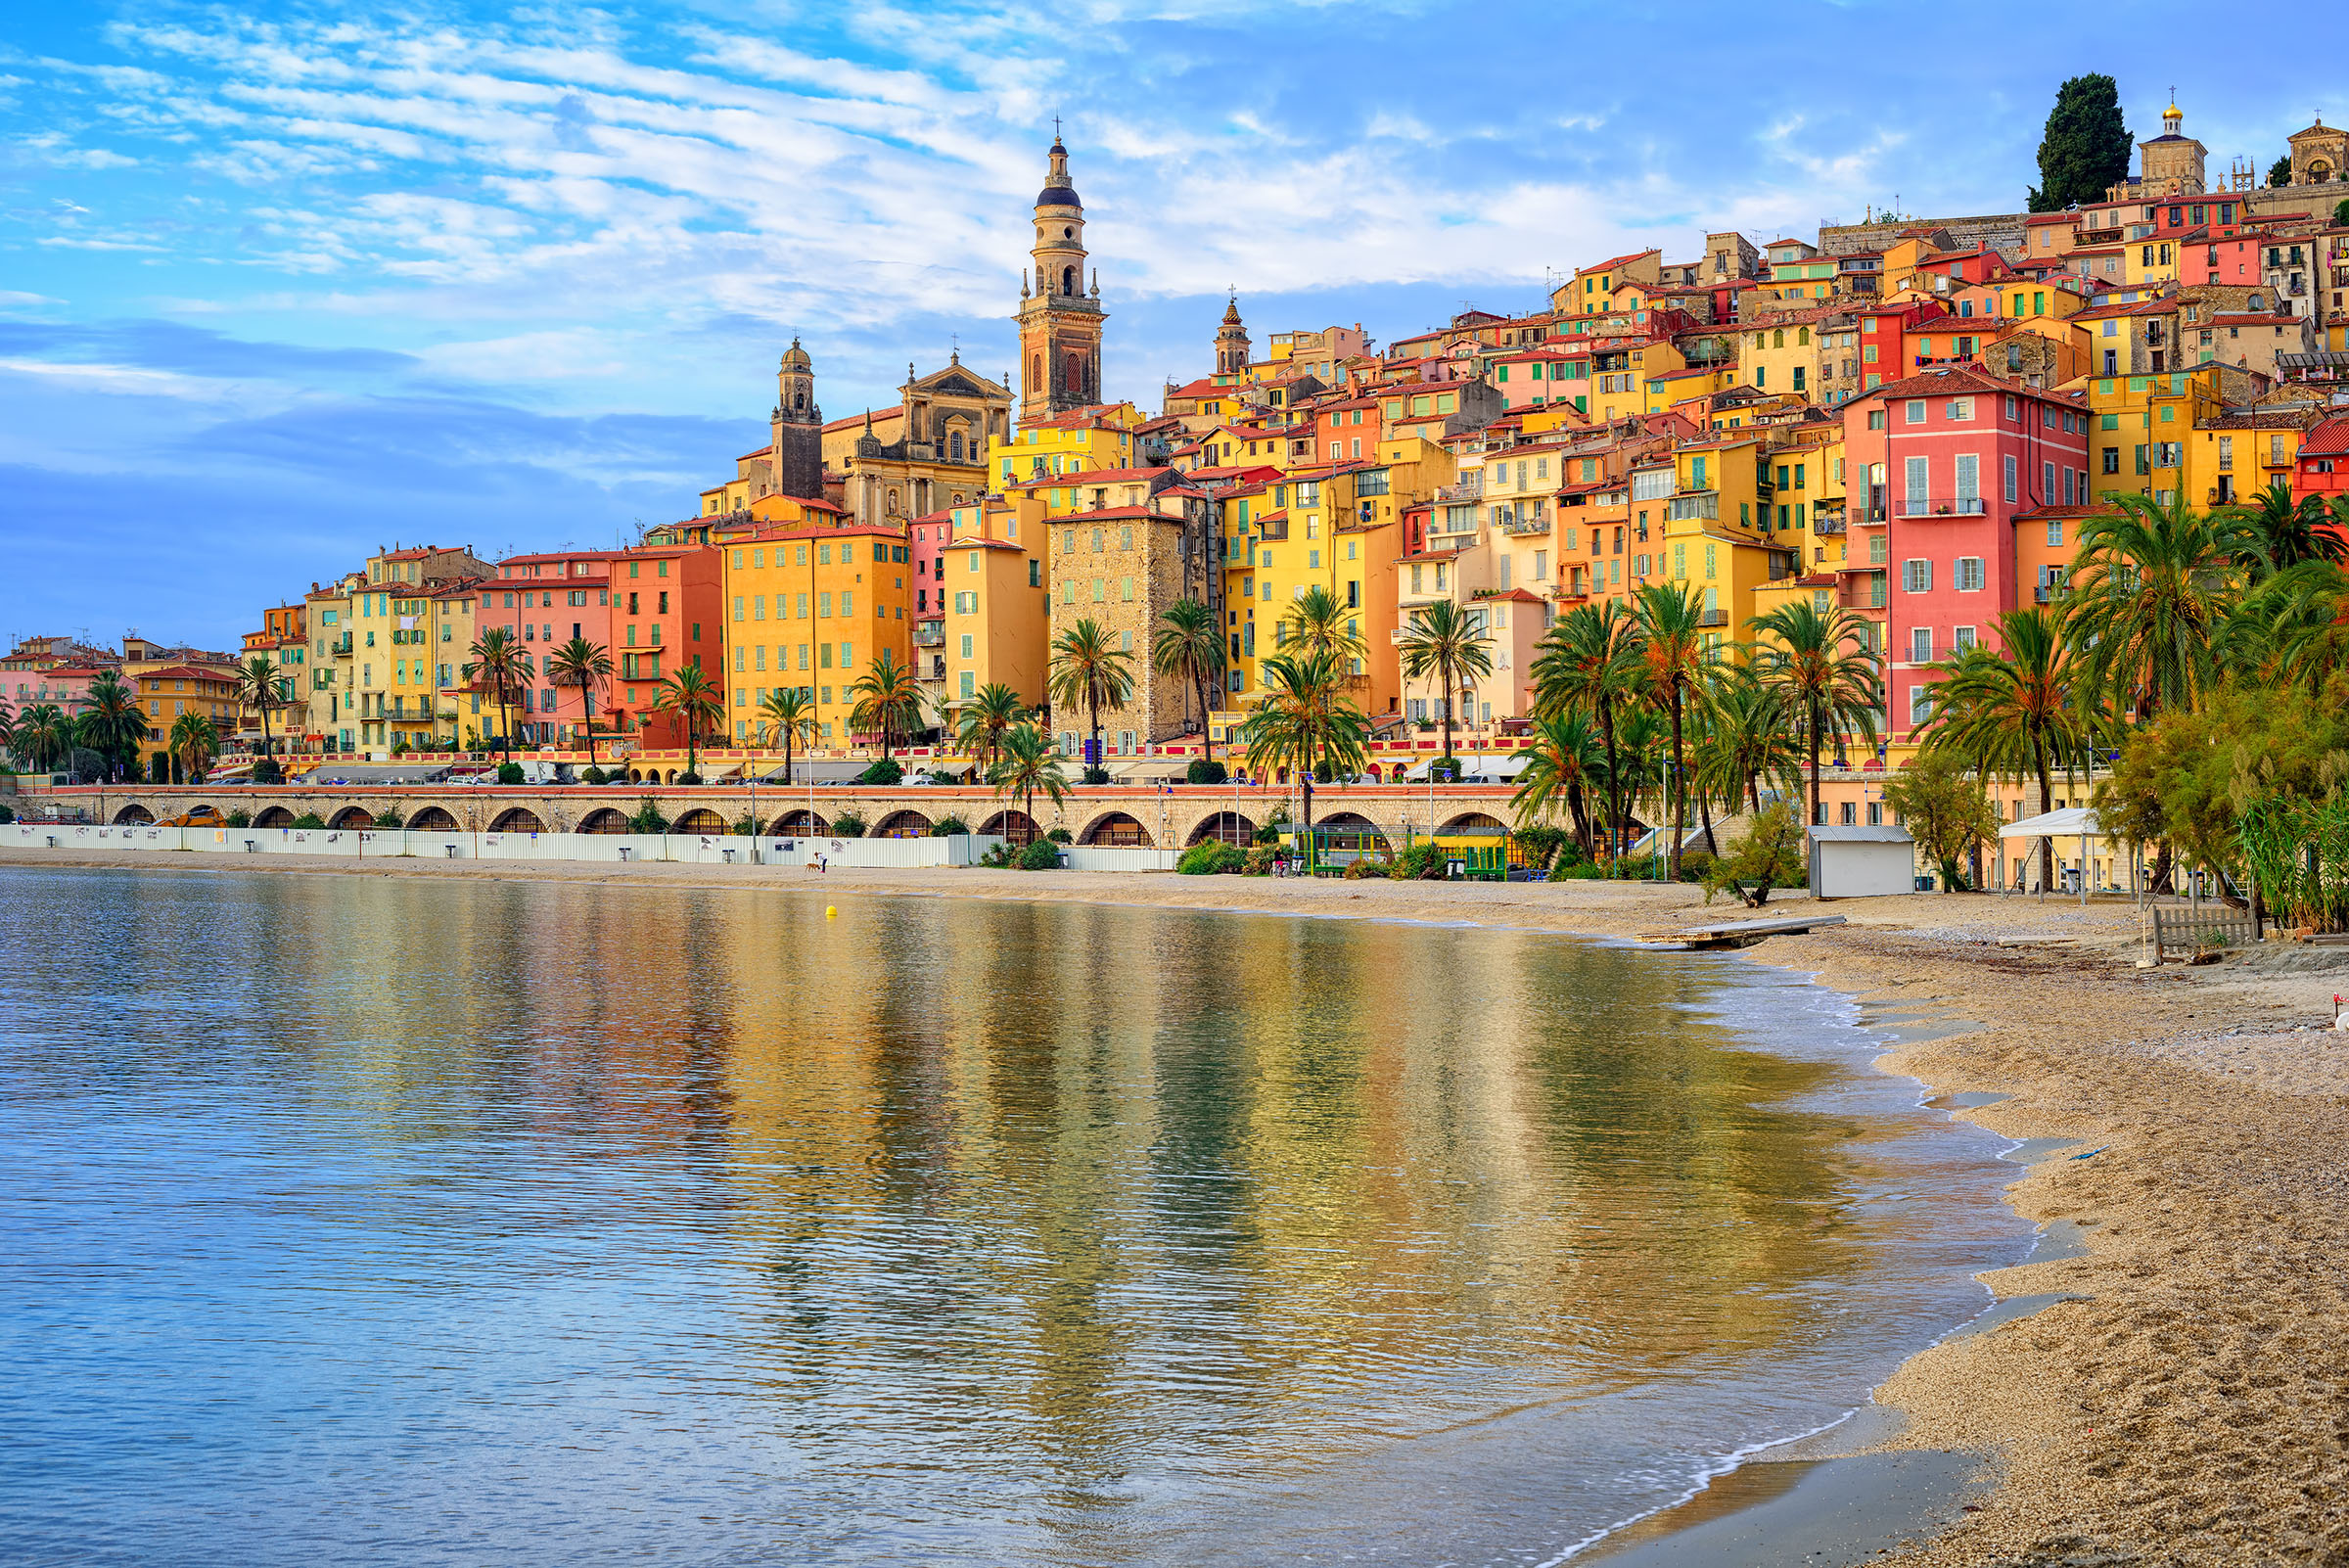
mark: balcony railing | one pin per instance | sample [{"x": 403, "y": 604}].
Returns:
[
  {"x": 1467, "y": 490},
  {"x": 1714, "y": 617},
  {"x": 928, "y": 634},
  {"x": 1943, "y": 505}
]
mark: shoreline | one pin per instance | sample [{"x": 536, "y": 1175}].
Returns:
[{"x": 2173, "y": 1393}]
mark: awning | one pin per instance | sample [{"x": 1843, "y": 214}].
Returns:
[
  {"x": 804, "y": 771},
  {"x": 1149, "y": 770},
  {"x": 1862, "y": 834},
  {"x": 2069, "y": 823},
  {"x": 376, "y": 773},
  {"x": 1475, "y": 769}
]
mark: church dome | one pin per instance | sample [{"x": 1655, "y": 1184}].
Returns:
[
  {"x": 796, "y": 357},
  {"x": 1057, "y": 191}
]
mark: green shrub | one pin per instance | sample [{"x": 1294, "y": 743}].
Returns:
[
  {"x": 1061, "y": 836},
  {"x": 848, "y": 825},
  {"x": 1042, "y": 856},
  {"x": 1364, "y": 867},
  {"x": 745, "y": 826},
  {"x": 1096, "y": 775},
  {"x": 689, "y": 776},
  {"x": 1202, "y": 771},
  {"x": 1215, "y": 857},
  {"x": 1001, "y": 856},
  {"x": 1769, "y": 856},
  {"x": 592, "y": 774},
  {"x": 388, "y": 822},
  {"x": 509, "y": 772},
  {"x": 266, "y": 771},
  {"x": 1694, "y": 864},
  {"x": 308, "y": 819},
  {"x": 1541, "y": 843},
  {"x": 1444, "y": 770},
  {"x": 1421, "y": 862},
  {"x": 8, "y": 814},
  {"x": 885, "y": 771},
  {"x": 1575, "y": 870},
  {"x": 1259, "y": 863},
  {"x": 240, "y": 817},
  {"x": 648, "y": 818},
  {"x": 948, "y": 827},
  {"x": 158, "y": 769}
]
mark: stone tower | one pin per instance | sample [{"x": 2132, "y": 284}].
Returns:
[
  {"x": 2172, "y": 163},
  {"x": 799, "y": 426},
  {"x": 1060, "y": 322},
  {"x": 1231, "y": 342}
]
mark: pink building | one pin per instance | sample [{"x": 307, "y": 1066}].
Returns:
[
  {"x": 1941, "y": 464},
  {"x": 545, "y": 600}
]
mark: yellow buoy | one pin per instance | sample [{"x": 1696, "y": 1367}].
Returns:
[{"x": 830, "y": 912}]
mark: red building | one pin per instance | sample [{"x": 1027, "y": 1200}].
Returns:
[
  {"x": 545, "y": 600},
  {"x": 1884, "y": 339},
  {"x": 1942, "y": 464},
  {"x": 2324, "y": 463},
  {"x": 2231, "y": 257},
  {"x": 667, "y": 612}
]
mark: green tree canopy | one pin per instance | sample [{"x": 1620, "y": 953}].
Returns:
[{"x": 2086, "y": 147}]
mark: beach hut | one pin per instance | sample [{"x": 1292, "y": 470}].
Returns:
[{"x": 1862, "y": 863}]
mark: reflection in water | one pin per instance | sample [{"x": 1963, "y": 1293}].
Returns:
[{"x": 428, "y": 1220}]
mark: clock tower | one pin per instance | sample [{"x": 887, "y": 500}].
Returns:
[{"x": 1060, "y": 317}]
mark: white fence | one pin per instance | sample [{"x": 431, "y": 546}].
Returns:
[
  {"x": 698, "y": 849},
  {"x": 1114, "y": 858}
]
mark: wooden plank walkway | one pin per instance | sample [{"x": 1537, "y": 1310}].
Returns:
[{"x": 1738, "y": 933}]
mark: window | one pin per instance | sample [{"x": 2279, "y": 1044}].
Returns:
[
  {"x": 1959, "y": 409},
  {"x": 2112, "y": 457},
  {"x": 1920, "y": 645},
  {"x": 1962, "y": 639},
  {"x": 1969, "y": 574},
  {"x": 1921, "y": 705},
  {"x": 1915, "y": 411},
  {"x": 1917, "y": 577},
  {"x": 2008, "y": 478}
]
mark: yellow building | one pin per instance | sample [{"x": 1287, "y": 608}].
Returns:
[
  {"x": 997, "y": 625},
  {"x": 407, "y": 646},
  {"x": 1083, "y": 439},
  {"x": 812, "y": 607},
  {"x": 168, "y": 692},
  {"x": 2141, "y": 428}
]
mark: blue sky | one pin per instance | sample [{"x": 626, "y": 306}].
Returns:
[{"x": 282, "y": 284}]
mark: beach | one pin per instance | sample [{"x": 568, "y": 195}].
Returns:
[{"x": 2176, "y": 1394}]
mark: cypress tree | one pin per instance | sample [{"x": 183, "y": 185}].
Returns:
[{"x": 2086, "y": 148}]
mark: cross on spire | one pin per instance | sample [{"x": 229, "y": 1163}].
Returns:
[{"x": 1056, "y": 127}]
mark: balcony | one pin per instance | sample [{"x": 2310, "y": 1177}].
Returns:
[
  {"x": 928, "y": 634},
  {"x": 1519, "y": 526},
  {"x": 1714, "y": 617},
  {"x": 1944, "y": 506},
  {"x": 1471, "y": 489}
]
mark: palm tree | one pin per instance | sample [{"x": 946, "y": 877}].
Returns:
[
  {"x": 44, "y": 737},
  {"x": 2291, "y": 630},
  {"x": 1189, "y": 647},
  {"x": 1591, "y": 663},
  {"x": 889, "y": 699},
  {"x": 2151, "y": 586},
  {"x": 1305, "y": 722},
  {"x": 695, "y": 699},
  {"x": 1090, "y": 669},
  {"x": 1025, "y": 764},
  {"x": 1319, "y": 622},
  {"x": 8, "y": 727},
  {"x": 587, "y": 665},
  {"x": 258, "y": 689},
  {"x": 2282, "y": 532},
  {"x": 1447, "y": 643},
  {"x": 1820, "y": 661},
  {"x": 2021, "y": 708},
  {"x": 788, "y": 713},
  {"x": 496, "y": 668},
  {"x": 1671, "y": 640},
  {"x": 110, "y": 723},
  {"x": 1748, "y": 739},
  {"x": 1565, "y": 760},
  {"x": 981, "y": 722},
  {"x": 195, "y": 742}
]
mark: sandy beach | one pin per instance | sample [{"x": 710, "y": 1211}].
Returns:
[{"x": 2183, "y": 1401}]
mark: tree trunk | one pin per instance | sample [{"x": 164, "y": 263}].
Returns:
[
  {"x": 1582, "y": 825},
  {"x": 1813, "y": 817},
  {"x": 1679, "y": 793},
  {"x": 1606, "y": 724},
  {"x": 2046, "y": 796}
]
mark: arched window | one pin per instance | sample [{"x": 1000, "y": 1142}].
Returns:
[
  {"x": 799, "y": 400},
  {"x": 1068, "y": 280},
  {"x": 1777, "y": 339},
  {"x": 1035, "y": 374},
  {"x": 954, "y": 445},
  {"x": 1802, "y": 337}
]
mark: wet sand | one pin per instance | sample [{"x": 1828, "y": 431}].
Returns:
[{"x": 2180, "y": 1394}]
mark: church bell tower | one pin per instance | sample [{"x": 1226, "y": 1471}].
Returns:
[
  {"x": 797, "y": 424},
  {"x": 1231, "y": 342},
  {"x": 1060, "y": 320}
]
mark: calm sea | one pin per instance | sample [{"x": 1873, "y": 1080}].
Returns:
[{"x": 398, "y": 1220}]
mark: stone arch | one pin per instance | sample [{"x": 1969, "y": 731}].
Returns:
[
  {"x": 634, "y": 777},
  {"x": 701, "y": 820},
  {"x": 800, "y": 820},
  {"x": 1015, "y": 824},
  {"x": 518, "y": 819},
  {"x": 433, "y": 819},
  {"x": 1229, "y": 826},
  {"x": 906, "y": 824},
  {"x": 277, "y": 817},
  {"x": 1118, "y": 830},
  {"x": 1351, "y": 831},
  {"x": 134, "y": 815},
  {"x": 351, "y": 817},
  {"x": 606, "y": 819},
  {"x": 1474, "y": 823}
]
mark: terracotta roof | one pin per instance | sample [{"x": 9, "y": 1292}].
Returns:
[
  {"x": 1509, "y": 596},
  {"x": 2328, "y": 440}
]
